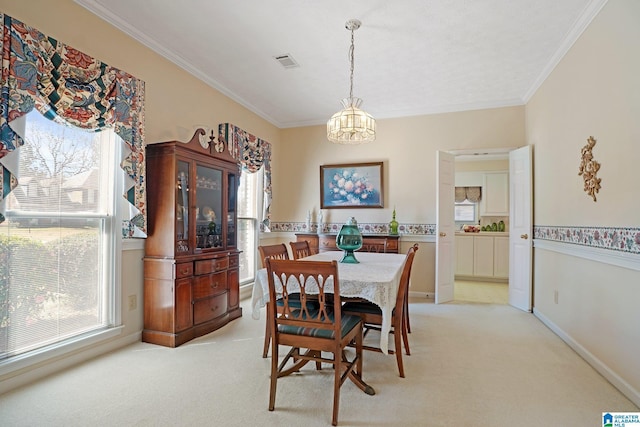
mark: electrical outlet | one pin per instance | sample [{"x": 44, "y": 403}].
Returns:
[
  {"x": 133, "y": 302},
  {"x": 555, "y": 297}
]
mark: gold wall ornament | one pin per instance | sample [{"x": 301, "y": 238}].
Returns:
[{"x": 589, "y": 169}]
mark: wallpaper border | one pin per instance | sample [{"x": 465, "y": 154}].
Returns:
[
  {"x": 365, "y": 228},
  {"x": 619, "y": 239}
]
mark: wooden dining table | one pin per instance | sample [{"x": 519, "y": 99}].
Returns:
[{"x": 375, "y": 278}]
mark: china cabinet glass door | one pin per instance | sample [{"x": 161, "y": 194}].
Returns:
[
  {"x": 182, "y": 208},
  {"x": 208, "y": 211},
  {"x": 232, "y": 215}
]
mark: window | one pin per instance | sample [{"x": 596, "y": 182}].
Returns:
[
  {"x": 466, "y": 212},
  {"x": 57, "y": 278},
  {"x": 249, "y": 213}
]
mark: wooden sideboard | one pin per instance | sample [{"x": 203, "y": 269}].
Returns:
[{"x": 370, "y": 243}]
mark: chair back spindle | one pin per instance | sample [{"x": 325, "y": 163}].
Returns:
[
  {"x": 274, "y": 251},
  {"x": 300, "y": 249}
]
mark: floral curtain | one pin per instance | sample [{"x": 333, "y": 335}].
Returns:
[
  {"x": 63, "y": 83},
  {"x": 253, "y": 153},
  {"x": 473, "y": 194}
]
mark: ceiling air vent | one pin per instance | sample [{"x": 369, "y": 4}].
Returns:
[{"x": 286, "y": 61}]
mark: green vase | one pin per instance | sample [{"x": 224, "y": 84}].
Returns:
[
  {"x": 393, "y": 225},
  {"x": 349, "y": 239}
]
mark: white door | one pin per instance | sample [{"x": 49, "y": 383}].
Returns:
[
  {"x": 520, "y": 229},
  {"x": 445, "y": 226}
]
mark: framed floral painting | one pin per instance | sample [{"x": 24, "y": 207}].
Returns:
[{"x": 351, "y": 185}]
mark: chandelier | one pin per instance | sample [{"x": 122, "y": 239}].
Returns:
[{"x": 351, "y": 125}]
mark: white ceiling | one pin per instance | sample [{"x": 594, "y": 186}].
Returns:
[{"x": 412, "y": 57}]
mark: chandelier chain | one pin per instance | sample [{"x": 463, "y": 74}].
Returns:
[
  {"x": 351, "y": 51},
  {"x": 351, "y": 125}
]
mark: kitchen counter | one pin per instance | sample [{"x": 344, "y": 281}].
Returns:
[{"x": 483, "y": 233}]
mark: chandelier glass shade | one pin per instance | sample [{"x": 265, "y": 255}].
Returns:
[{"x": 351, "y": 125}]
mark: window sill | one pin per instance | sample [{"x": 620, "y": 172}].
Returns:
[
  {"x": 132, "y": 244},
  {"x": 43, "y": 356}
]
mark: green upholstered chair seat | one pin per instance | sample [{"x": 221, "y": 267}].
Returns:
[
  {"x": 363, "y": 307},
  {"x": 348, "y": 323},
  {"x": 294, "y": 302}
]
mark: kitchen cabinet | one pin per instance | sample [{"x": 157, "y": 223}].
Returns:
[
  {"x": 191, "y": 263},
  {"x": 464, "y": 256},
  {"x": 501, "y": 257},
  {"x": 495, "y": 194},
  {"x": 484, "y": 256}
]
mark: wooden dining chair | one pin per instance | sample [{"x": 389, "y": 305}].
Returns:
[
  {"x": 324, "y": 329},
  {"x": 380, "y": 247},
  {"x": 277, "y": 252},
  {"x": 406, "y": 304},
  {"x": 372, "y": 314},
  {"x": 300, "y": 249}
]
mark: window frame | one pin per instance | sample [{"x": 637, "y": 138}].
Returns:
[
  {"x": 254, "y": 220},
  {"x": 475, "y": 206},
  {"x": 111, "y": 254}
]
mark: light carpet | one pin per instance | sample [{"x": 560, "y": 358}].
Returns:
[{"x": 470, "y": 365}]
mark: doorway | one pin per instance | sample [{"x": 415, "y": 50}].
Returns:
[
  {"x": 470, "y": 173},
  {"x": 519, "y": 271},
  {"x": 476, "y": 291}
]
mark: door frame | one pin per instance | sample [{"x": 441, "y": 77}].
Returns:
[{"x": 483, "y": 154}]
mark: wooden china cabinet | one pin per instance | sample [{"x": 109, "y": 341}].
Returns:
[{"x": 191, "y": 269}]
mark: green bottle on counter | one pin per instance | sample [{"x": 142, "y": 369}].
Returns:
[{"x": 393, "y": 225}]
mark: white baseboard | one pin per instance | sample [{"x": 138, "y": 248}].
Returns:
[
  {"x": 624, "y": 387},
  {"x": 427, "y": 295},
  {"x": 245, "y": 291}
]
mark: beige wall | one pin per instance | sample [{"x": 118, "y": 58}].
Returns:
[
  {"x": 594, "y": 91},
  {"x": 407, "y": 146},
  {"x": 175, "y": 103}
]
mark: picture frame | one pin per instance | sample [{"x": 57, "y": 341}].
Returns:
[{"x": 352, "y": 185}]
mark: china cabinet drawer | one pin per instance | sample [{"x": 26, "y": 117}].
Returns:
[
  {"x": 184, "y": 269},
  {"x": 210, "y": 284},
  {"x": 212, "y": 265},
  {"x": 210, "y": 308}
]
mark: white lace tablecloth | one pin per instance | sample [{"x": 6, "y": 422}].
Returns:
[{"x": 375, "y": 279}]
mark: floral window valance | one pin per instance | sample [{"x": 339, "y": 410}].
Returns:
[
  {"x": 63, "y": 83},
  {"x": 253, "y": 153},
  {"x": 473, "y": 194}
]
